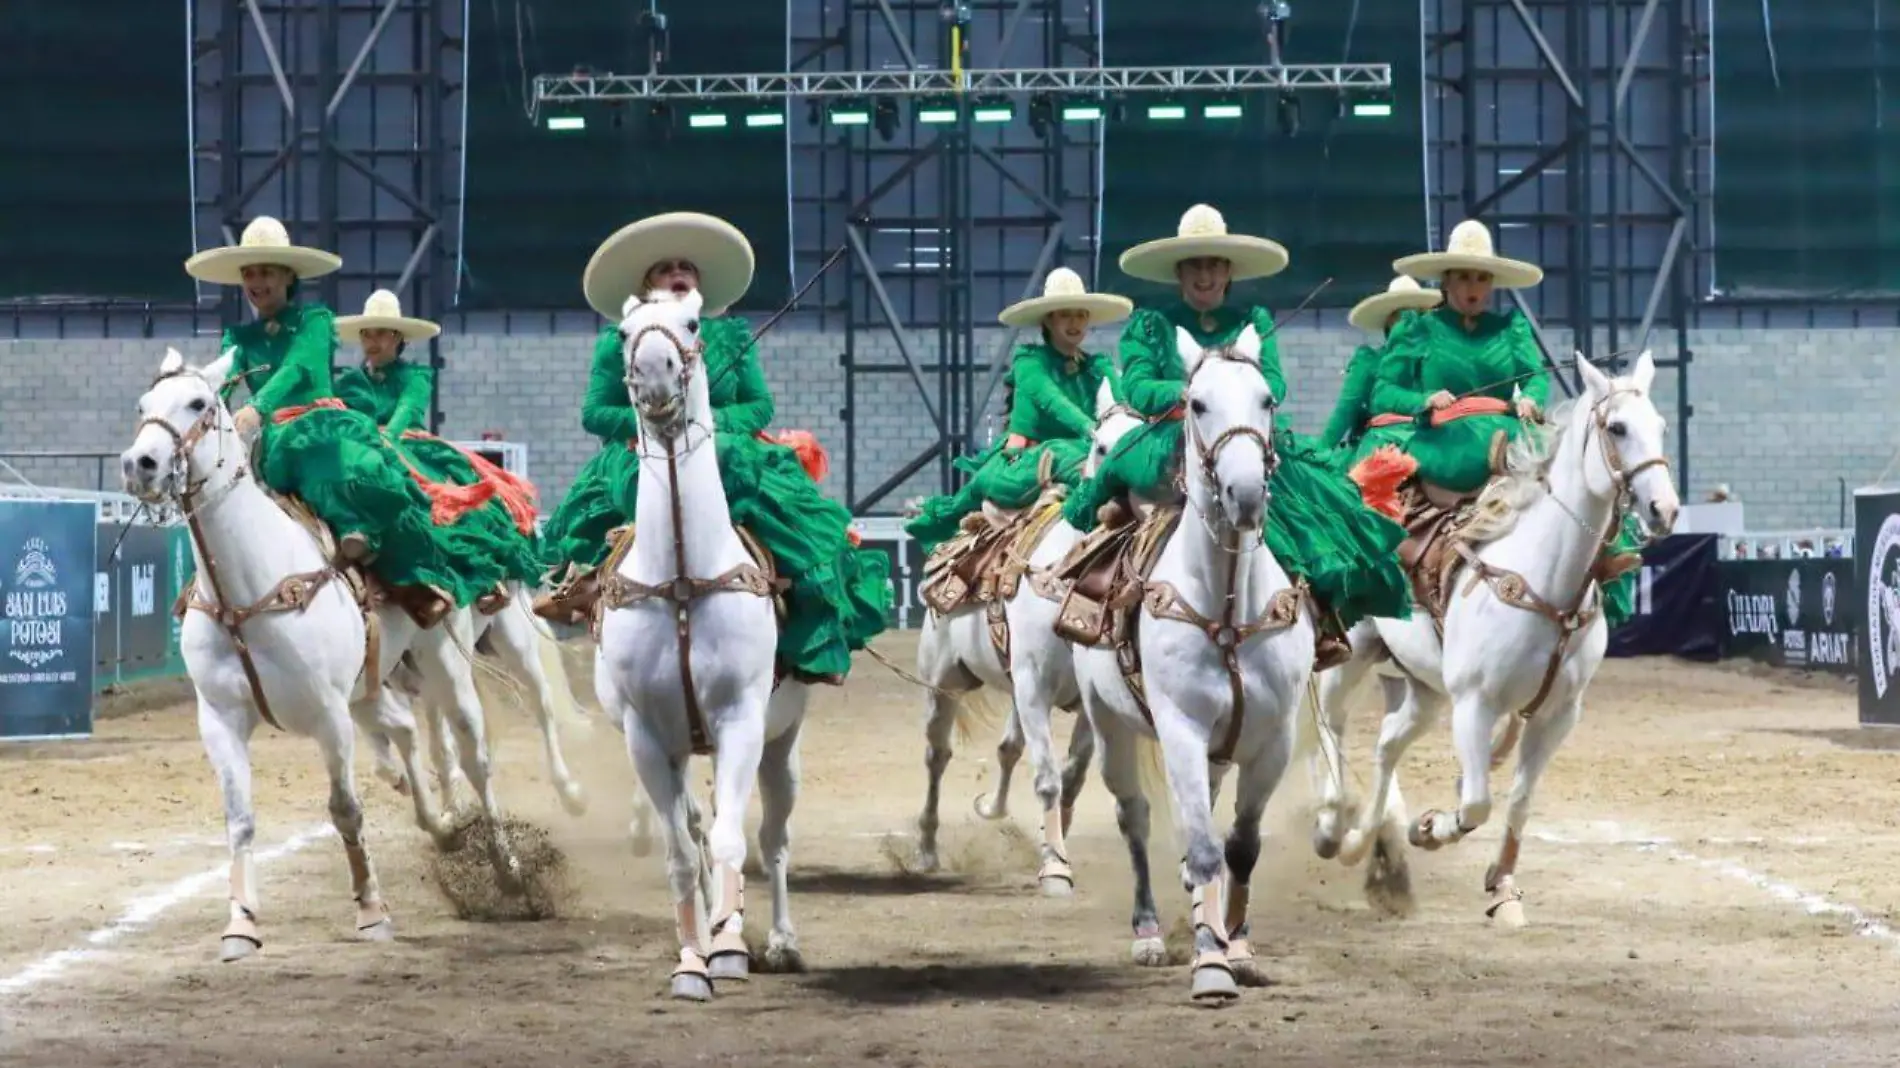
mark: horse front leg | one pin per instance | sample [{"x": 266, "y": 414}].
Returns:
[
  {"x": 338, "y": 742},
  {"x": 1473, "y": 724},
  {"x": 1123, "y": 752},
  {"x": 226, "y": 734},
  {"x": 519, "y": 646},
  {"x": 1542, "y": 737},
  {"x": 1184, "y": 746},
  {"x": 664, "y": 780},
  {"x": 994, "y": 805},
  {"x": 1259, "y": 777},
  {"x": 1055, "y": 877},
  {"x": 778, "y": 794},
  {"x": 1075, "y": 769},
  {"x": 739, "y": 747}
]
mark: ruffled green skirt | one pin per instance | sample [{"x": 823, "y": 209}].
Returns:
[
  {"x": 1008, "y": 478},
  {"x": 1318, "y": 526},
  {"x": 488, "y": 529},
  {"x": 575, "y": 534},
  {"x": 337, "y": 462}
]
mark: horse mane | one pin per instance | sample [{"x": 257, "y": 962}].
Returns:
[{"x": 1527, "y": 463}]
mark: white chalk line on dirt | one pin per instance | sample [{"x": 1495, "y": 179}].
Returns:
[
  {"x": 144, "y": 910},
  {"x": 1812, "y": 903}
]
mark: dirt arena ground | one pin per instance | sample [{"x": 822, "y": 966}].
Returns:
[{"x": 1714, "y": 860}]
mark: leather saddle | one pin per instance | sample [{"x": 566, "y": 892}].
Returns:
[
  {"x": 619, "y": 544},
  {"x": 985, "y": 562}
]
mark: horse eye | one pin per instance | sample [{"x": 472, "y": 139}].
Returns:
[
  {"x": 1618, "y": 429},
  {"x": 1197, "y": 407},
  {"x": 692, "y": 326},
  {"x": 1267, "y": 405},
  {"x": 197, "y": 406},
  {"x": 622, "y": 331}
]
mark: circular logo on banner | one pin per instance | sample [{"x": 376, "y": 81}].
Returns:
[
  {"x": 1794, "y": 598},
  {"x": 1883, "y": 606},
  {"x": 1827, "y": 599}
]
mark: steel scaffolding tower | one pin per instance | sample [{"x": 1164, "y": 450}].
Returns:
[{"x": 1570, "y": 127}]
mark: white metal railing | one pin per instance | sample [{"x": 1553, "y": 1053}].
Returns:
[{"x": 1787, "y": 544}]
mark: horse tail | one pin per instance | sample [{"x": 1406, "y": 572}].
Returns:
[
  {"x": 1379, "y": 476},
  {"x": 974, "y": 711},
  {"x": 547, "y": 650}
]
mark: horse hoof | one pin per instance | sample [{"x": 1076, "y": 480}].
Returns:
[
  {"x": 383, "y": 930},
  {"x": 1057, "y": 886},
  {"x": 574, "y": 799},
  {"x": 730, "y": 967},
  {"x": 690, "y": 986},
  {"x": 1214, "y": 985},
  {"x": 1150, "y": 952},
  {"x": 1325, "y": 846},
  {"x": 1509, "y": 915},
  {"x": 784, "y": 960},
  {"x": 1354, "y": 847},
  {"x": 926, "y": 862},
  {"x": 987, "y": 808},
  {"x": 237, "y": 947},
  {"x": 1247, "y": 972}
]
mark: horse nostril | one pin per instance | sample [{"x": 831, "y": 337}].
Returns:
[{"x": 146, "y": 463}]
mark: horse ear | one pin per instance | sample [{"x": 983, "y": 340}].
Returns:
[
  {"x": 1645, "y": 372},
  {"x": 627, "y": 306},
  {"x": 1190, "y": 350},
  {"x": 219, "y": 369},
  {"x": 173, "y": 362},
  {"x": 1248, "y": 344},
  {"x": 1104, "y": 399},
  {"x": 1593, "y": 380}
]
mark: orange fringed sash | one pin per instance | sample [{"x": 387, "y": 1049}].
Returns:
[
  {"x": 285, "y": 415},
  {"x": 449, "y": 502},
  {"x": 811, "y": 455},
  {"x": 1379, "y": 476},
  {"x": 1458, "y": 409}
]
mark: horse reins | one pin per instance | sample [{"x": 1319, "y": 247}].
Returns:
[{"x": 617, "y": 591}]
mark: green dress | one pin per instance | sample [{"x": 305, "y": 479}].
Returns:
[
  {"x": 1433, "y": 351},
  {"x": 396, "y": 395},
  {"x": 1052, "y": 404},
  {"x": 336, "y": 460},
  {"x": 840, "y": 596},
  {"x": 1319, "y": 528}
]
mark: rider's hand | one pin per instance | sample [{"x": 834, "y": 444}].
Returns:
[
  {"x": 247, "y": 421},
  {"x": 1440, "y": 399},
  {"x": 1527, "y": 410}
]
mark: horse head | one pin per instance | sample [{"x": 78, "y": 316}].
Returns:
[
  {"x": 1228, "y": 409},
  {"x": 1112, "y": 420},
  {"x": 185, "y": 433},
  {"x": 1630, "y": 458},
  {"x": 664, "y": 356}
]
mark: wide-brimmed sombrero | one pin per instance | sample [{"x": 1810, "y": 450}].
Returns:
[
  {"x": 716, "y": 247},
  {"x": 264, "y": 241},
  {"x": 1063, "y": 290},
  {"x": 1469, "y": 249},
  {"x": 1403, "y": 294},
  {"x": 383, "y": 311},
  {"x": 1203, "y": 232}
]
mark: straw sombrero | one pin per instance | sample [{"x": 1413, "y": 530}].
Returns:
[
  {"x": 1404, "y": 293},
  {"x": 265, "y": 241},
  {"x": 382, "y": 311},
  {"x": 1470, "y": 249},
  {"x": 716, "y": 247},
  {"x": 1203, "y": 232},
  {"x": 1063, "y": 290}
]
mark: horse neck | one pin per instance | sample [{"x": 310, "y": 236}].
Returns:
[
  {"x": 1564, "y": 530},
  {"x": 697, "y": 540},
  {"x": 1218, "y": 559},
  {"x": 237, "y": 528}
]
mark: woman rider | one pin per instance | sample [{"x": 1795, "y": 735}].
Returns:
[
  {"x": 395, "y": 392},
  {"x": 1376, "y": 315},
  {"x": 1319, "y": 527},
  {"x": 1463, "y": 364},
  {"x": 840, "y": 595},
  {"x": 1051, "y": 402},
  {"x": 333, "y": 459}
]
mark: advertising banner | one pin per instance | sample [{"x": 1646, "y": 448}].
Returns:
[
  {"x": 48, "y": 590},
  {"x": 1877, "y": 597},
  {"x": 1792, "y": 613}
]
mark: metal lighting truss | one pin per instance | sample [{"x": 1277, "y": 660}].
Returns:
[{"x": 584, "y": 88}]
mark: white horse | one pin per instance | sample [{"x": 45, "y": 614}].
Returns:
[
  {"x": 1226, "y": 647},
  {"x": 275, "y": 635},
  {"x": 1523, "y": 636},
  {"x": 529, "y": 653},
  {"x": 956, "y": 656},
  {"x": 686, "y": 655}
]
